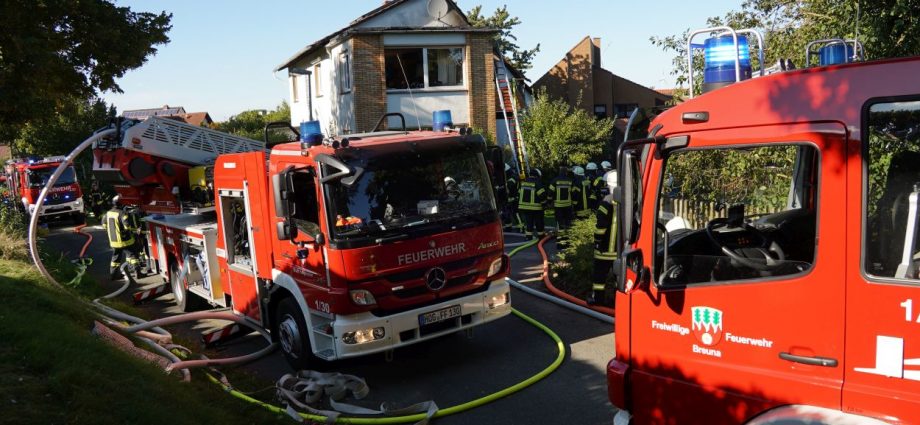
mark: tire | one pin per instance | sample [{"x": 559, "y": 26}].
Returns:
[
  {"x": 290, "y": 332},
  {"x": 185, "y": 300}
]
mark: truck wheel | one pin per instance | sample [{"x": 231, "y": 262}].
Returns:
[
  {"x": 185, "y": 300},
  {"x": 291, "y": 334}
]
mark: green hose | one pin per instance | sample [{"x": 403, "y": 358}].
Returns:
[{"x": 443, "y": 412}]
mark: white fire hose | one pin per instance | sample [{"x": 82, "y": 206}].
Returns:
[{"x": 150, "y": 332}]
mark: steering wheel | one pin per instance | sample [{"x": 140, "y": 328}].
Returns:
[{"x": 765, "y": 247}]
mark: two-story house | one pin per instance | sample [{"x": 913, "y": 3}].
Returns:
[{"x": 408, "y": 56}]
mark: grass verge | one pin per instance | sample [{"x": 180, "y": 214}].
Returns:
[{"x": 52, "y": 370}]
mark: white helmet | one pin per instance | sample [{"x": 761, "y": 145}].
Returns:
[
  {"x": 591, "y": 166},
  {"x": 610, "y": 178},
  {"x": 606, "y": 165},
  {"x": 578, "y": 171},
  {"x": 449, "y": 181}
]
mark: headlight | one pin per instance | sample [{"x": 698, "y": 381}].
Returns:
[
  {"x": 362, "y": 297},
  {"x": 495, "y": 267},
  {"x": 78, "y": 202},
  {"x": 363, "y": 335},
  {"x": 498, "y": 300}
]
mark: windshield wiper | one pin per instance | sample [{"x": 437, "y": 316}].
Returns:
[{"x": 393, "y": 238}]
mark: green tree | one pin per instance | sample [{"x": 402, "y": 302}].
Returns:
[
  {"x": 556, "y": 134},
  {"x": 887, "y": 29},
  {"x": 251, "y": 123},
  {"x": 73, "y": 121},
  {"x": 505, "y": 41},
  {"x": 56, "y": 49}
]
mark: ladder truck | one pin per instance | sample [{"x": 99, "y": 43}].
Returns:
[
  {"x": 338, "y": 246},
  {"x": 25, "y": 178},
  {"x": 768, "y": 271}
]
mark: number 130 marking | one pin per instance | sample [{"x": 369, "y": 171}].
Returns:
[{"x": 909, "y": 311}]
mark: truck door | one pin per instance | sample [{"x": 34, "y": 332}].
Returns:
[
  {"x": 744, "y": 310},
  {"x": 244, "y": 228},
  {"x": 882, "y": 375},
  {"x": 303, "y": 257}
]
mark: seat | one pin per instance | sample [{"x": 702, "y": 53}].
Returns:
[{"x": 886, "y": 236}]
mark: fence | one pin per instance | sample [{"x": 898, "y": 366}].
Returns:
[{"x": 697, "y": 213}]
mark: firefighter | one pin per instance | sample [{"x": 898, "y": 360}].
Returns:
[
  {"x": 511, "y": 187},
  {"x": 599, "y": 185},
  {"x": 562, "y": 192},
  {"x": 120, "y": 226},
  {"x": 605, "y": 254},
  {"x": 96, "y": 199},
  {"x": 531, "y": 197},
  {"x": 585, "y": 202}
]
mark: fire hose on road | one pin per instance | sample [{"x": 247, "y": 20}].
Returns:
[{"x": 160, "y": 340}]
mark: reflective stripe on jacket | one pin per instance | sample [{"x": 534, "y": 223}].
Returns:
[
  {"x": 585, "y": 198},
  {"x": 531, "y": 196},
  {"x": 117, "y": 225},
  {"x": 605, "y": 232},
  {"x": 561, "y": 189}
]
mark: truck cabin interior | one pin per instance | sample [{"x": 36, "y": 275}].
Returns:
[{"x": 737, "y": 212}]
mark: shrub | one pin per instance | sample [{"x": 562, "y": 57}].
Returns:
[
  {"x": 575, "y": 262},
  {"x": 12, "y": 233}
]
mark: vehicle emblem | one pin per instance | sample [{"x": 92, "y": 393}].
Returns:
[
  {"x": 436, "y": 279},
  {"x": 707, "y": 324}
]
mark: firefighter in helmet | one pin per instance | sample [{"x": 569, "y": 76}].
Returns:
[
  {"x": 531, "y": 197},
  {"x": 121, "y": 228},
  {"x": 96, "y": 199},
  {"x": 562, "y": 192},
  {"x": 605, "y": 241},
  {"x": 585, "y": 201},
  {"x": 511, "y": 186}
]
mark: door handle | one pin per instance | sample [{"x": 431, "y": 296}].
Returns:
[{"x": 809, "y": 360}]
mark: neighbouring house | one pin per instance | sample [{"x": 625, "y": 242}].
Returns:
[
  {"x": 411, "y": 57},
  {"x": 579, "y": 79},
  {"x": 200, "y": 119}
]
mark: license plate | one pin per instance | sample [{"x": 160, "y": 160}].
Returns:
[{"x": 439, "y": 315}]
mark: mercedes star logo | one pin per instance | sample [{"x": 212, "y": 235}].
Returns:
[{"x": 435, "y": 279}]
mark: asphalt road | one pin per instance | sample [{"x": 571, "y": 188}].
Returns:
[{"x": 449, "y": 370}]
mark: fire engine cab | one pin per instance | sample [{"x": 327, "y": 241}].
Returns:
[
  {"x": 770, "y": 255},
  {"x": 26, "y": 177},
  {"x": 339, "y": 246}
]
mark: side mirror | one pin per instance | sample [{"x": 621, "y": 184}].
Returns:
[
  {"x": 496, "y": 157},
  {"x": 320, "y": 239},
  {"x": 627, "y": 195},
  {"x": 285, "y": 230},
  {"x": 632, "y": 273}
]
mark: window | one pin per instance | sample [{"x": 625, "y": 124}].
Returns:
[
  {"x": 295, "y": 83},
  {"x": 418, "y": 68},
  {"x": 622, "y": 110},
  {"x": 600, "y": 111},
  {"x": 735, "y": 214},
  {"x": 344, "y": 72},
  {"x": 317, "y": 78},
  {"x": 893, "y": 186},
  {"x": 306, "y": 209},
  {"x": 236, "y": 231},
  {"x": 445, "y": 67}
]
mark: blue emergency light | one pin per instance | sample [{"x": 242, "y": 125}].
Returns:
[
  {"x": 719, "y": 54},
  {"x": 441, "y": 120},
  {"x": 833, "y": 54},
  {"x": 311, "y": 133}
]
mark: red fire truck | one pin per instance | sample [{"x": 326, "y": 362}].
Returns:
[
  {"x": 339, "y": 247},
  {"x": 25, "y": 179},
  {"x": 770, "y": 261}
]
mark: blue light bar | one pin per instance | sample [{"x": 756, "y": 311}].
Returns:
[
  {"x": 311, "y": 133},
  {"x": 720, "y": 56},
  {"x": 441, "y": 120},
  {"x": 833, "y": 54}
]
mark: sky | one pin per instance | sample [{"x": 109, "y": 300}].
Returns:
[{"x": 222, "y": 53}]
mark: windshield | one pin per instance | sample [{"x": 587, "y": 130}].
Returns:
[
  {"x": 38, "y": 178},
  {"x": 407, "y": 190}
]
